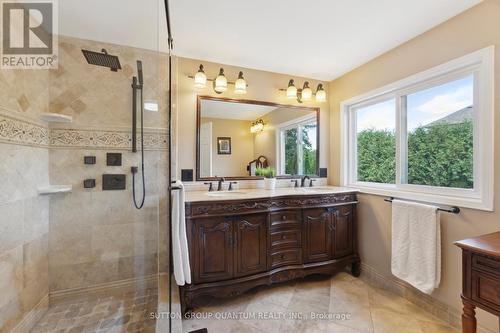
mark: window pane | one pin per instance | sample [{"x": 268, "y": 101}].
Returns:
[
  {"x": 376, "y": 142},
  {"x": 291, "y": 152},
  {"x": 440, "y": 135},
  {"x": 309, "y": 148}
]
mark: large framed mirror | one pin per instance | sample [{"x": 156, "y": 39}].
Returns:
[{"x": 237, "y": 136}]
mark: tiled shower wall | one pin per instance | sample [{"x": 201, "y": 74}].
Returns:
[
  {"x": 89, "y": 237},
  {"x": 98, "y": 236},
  {"x": 24, "y": 215}
]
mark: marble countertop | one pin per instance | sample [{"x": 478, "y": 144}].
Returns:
[{"x": 241, "y": 194}]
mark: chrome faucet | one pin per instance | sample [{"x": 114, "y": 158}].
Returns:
[
  {"x": 219, "y": 183},
  {"x": 303, "y": 180}
]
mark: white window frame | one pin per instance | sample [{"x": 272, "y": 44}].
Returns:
[
  {"x": 481, "y": 65},
  {"x": 280, "y": 142}
]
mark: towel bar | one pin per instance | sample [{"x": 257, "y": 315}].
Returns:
[{"x": 453, "y": 209}]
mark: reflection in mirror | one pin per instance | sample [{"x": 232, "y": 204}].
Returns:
[{"x": 236, "y": 137}]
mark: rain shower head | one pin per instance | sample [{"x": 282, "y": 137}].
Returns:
[{"x": 102, "y": 59}]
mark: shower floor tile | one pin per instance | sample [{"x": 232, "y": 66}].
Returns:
[{"x": 116, "y": 312}]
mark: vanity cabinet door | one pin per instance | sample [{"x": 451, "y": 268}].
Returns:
[
  {"x": 213, "y": 246},
  {"x": 342, "y": 233},
  {"x": 250, "y": 244},
  {"x": 317, "y": 231}
]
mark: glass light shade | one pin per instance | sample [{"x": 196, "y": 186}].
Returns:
[
  {"x": 200, "y": 79},
  {"x": 306, "y": 94},
  {"x": 291, "y": 91},
  {"x": 220, "y": 83},
  {"x": 259, "y": 127},
  {"x": 320, "y": 96},
  {"x": 240, "y": 86}
]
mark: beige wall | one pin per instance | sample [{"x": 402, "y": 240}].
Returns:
[
  {"x": 242, "y": 146},
  {"x": 262, "y": 86},
  {"x": 472, "y": 30}
]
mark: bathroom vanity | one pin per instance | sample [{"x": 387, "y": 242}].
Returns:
[{"x": 242, "y": 239}]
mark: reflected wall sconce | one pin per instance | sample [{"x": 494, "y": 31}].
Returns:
[
  {"x": 220, "y": 83},
  {"x": 305, "y": 93},
  {"x": 257, "y": 126}
]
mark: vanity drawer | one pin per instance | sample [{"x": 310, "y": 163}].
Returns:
[
  {"x": 286, "y": 257},
  {"x": 285, "y": 239},
  {"x": 486, "y": 264},
  {"x": 286, "y": 218},
  {"x": 486, "y": 289}
]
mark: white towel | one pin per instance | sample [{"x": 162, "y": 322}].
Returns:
[
  {"x": 416, "y": 244},
  {"x": 180, "y": 252}
]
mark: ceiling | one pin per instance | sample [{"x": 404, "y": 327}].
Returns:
[
  {"x": 319, "y": 39},
  {"x": 233, "y": 111}
]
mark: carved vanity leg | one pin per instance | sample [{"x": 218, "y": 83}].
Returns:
[
  {"x": 186, "y": 302},
  {"x": 356, "y": 269},
  {"x": 468, "y": 318}
]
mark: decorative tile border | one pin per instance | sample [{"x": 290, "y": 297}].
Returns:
[
  {"x": 105, "y": 139},
  {"x": 22, "y": 132},
  {"x": 26, "y": 133}
]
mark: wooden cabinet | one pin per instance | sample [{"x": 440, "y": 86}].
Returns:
[
  {"x": 212, "y": 249},
  {"x": 343, "y": 222},
  {"x": 227, "y": 247},
  {"x": 480, "y": 277},
  {"x": 250, "y": 244},
  {"x": 236, "y": 245},
  {"x": 317, "y": 231}
]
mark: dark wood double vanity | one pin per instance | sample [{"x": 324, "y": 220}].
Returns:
[{"x": 236, "y": 245}]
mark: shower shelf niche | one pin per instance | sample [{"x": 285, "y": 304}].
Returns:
[
  {"x": 53, "y": 189},
  {"x": 56, "y": 118}
]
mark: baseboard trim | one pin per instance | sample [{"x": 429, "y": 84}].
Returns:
[
  {"x": 32, "y": 317},
  {"x": 447, "y": 313},
  {"x": 139, "y": 283}
]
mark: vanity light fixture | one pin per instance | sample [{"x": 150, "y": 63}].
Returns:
[
  {"x": 305, "y": 93},
  {"x": 220, "y": 83},
  {"x": 320, "y": 93},
  {"x": 240, "y": 86},
  {"x": 200, "y": 79},
  {"x": 291, "y": 91},
  {"x": 257, "y": 126}
]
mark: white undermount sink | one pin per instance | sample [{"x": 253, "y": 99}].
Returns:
[{"x": 224, "y": 193}]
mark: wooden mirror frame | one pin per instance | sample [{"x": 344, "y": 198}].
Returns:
[{"x": 248, "y": 101}]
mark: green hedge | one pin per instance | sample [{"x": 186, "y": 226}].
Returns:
[{"x": 438, "y": 155}]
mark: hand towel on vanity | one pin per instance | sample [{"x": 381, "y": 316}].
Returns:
[
  {"x": 416, "y": 244},
  {"x": 180, "y": 252}
]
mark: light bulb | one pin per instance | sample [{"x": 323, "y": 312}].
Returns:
[
  {"x": 291, "y": 91},
  {"x": 306, "y": 92},
  {"x": 200, "y": 79},
  {"x": 220, "y": 82},
  {"x": 320, "y": 94},
  {"x": 240, "y": 86}
]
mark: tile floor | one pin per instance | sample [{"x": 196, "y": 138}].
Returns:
[
  {"x": 114, "y": 312},
  {"x": 365, "y": 309}
]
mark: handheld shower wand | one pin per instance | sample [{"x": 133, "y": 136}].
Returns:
[{"x": 137, "y": 85}]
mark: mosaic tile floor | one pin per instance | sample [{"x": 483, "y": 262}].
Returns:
[
  {"x": 119, "y": 312},
  {"x": 365, "y": 309}
]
